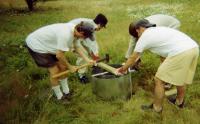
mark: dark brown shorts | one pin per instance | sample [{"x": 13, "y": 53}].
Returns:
[{"x": 45, "y": 60}]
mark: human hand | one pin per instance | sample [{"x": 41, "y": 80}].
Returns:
[
  {"x": 95, "y": 57},
  {"x": 120, "y": 71},
  {"x": 137, "y": 65},
  {"x": 92, "y": 62}
]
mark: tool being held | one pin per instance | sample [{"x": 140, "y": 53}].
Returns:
[
  {"x": 68, "y": 71},
  {"x": 99, "y": 74},
  {"x": 106, "y": 58},
  {"x": 105, "y": 66}
]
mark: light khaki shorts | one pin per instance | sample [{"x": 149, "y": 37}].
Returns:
[{"x": 179, "y": 69}]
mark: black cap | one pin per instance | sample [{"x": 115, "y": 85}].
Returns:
[
  {"x": 87, "y": 29},
  {"x": 141, "y": 23},
  {"x": 101, "y": 19}
]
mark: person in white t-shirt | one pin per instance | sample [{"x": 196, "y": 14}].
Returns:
[
  {"x": 158, "y": 20},
  {"x": 181, "y": 57},
  {"x": 47, "y": 46},
  {"x": 90, "y": 47}
]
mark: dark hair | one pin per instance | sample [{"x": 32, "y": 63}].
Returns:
[
  {"x": 132, "y": 30},
  {"x": 87, "y": 29},
  {"x": 141, "y": 23},
  {"x": 101, "y": 19}
]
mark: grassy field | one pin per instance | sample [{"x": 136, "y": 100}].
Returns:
[{"x": 25, "y": 94}]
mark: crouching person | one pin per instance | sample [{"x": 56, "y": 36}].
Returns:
[
  {"x": 89, "y": 47},
  {"x": 47, "y": 46},
  {"x": 181, "y": 53}
]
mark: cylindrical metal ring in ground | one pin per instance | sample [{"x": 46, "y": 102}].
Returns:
[{"x": 109, "y": 86}]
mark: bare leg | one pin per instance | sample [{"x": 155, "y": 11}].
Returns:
[
  {"x": 159, "y": 93},
  {"x": 61, "y": 68},
  {"x": 180, "y": 94},
  {"x": 63, "y": 80},
  {"x": 54, "y": 82},
  {"x": 54, "y": 70}
]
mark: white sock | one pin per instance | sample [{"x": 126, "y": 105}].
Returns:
[
  {"x": 57, "y": 92},
  {"x": 64, "y": 85},
  {"x": 157, "y": 109},
  {"x": 80, "y": 75}
]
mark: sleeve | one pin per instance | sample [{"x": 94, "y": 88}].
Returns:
[{"x": 141, "y": 44}]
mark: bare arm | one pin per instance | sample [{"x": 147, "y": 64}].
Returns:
[
  {"x": 80, "y": 52},
  {"x": 131, "y": 60},
  {"x": 60, "y": 55}
]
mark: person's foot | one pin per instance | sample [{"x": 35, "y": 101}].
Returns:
[
  {"x": 68, "y": 96},
  {"x": 84, "y": 79},
  {"x": 64, "y": 100},
  {"x": 150, "y": 107},
  {"x": 172, "y": 100}
]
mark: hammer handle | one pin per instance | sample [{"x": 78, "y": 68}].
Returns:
[
  {"x": 107, "y": 67},
  {"x": 68, "y": 71}
]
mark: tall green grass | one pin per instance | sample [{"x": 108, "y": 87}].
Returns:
[{"x": 37, "y": 105}]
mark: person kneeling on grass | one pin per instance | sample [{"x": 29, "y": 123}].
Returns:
[
  {"x": 181, "y": 53},
  {"x": 47, "y": 46}
]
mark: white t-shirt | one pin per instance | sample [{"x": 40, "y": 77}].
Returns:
[
  {"x": 164, "y": 20},
  {"x": 159, "y": 20},
  {"x": 164, "y": 41},
  {"x": 91, "y": 45},
  {"x": 51, "y": 38}
]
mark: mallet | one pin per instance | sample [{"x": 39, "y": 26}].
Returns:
[
  {"x": 68, "y": 71},
  {"x": 105, "y": 66},
  {"x": 106, "y": 58}
]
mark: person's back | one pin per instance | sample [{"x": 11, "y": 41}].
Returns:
[
  {"x": 164, "y": 20},
  {"x": 48, "y": 38},
  {"x": 159, "y": 20},
  {"x": 164, "y": 41},
  {"x": 79, "y": 20}
]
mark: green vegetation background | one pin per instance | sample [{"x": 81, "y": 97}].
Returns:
[{"x": 25, "y": 94}]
